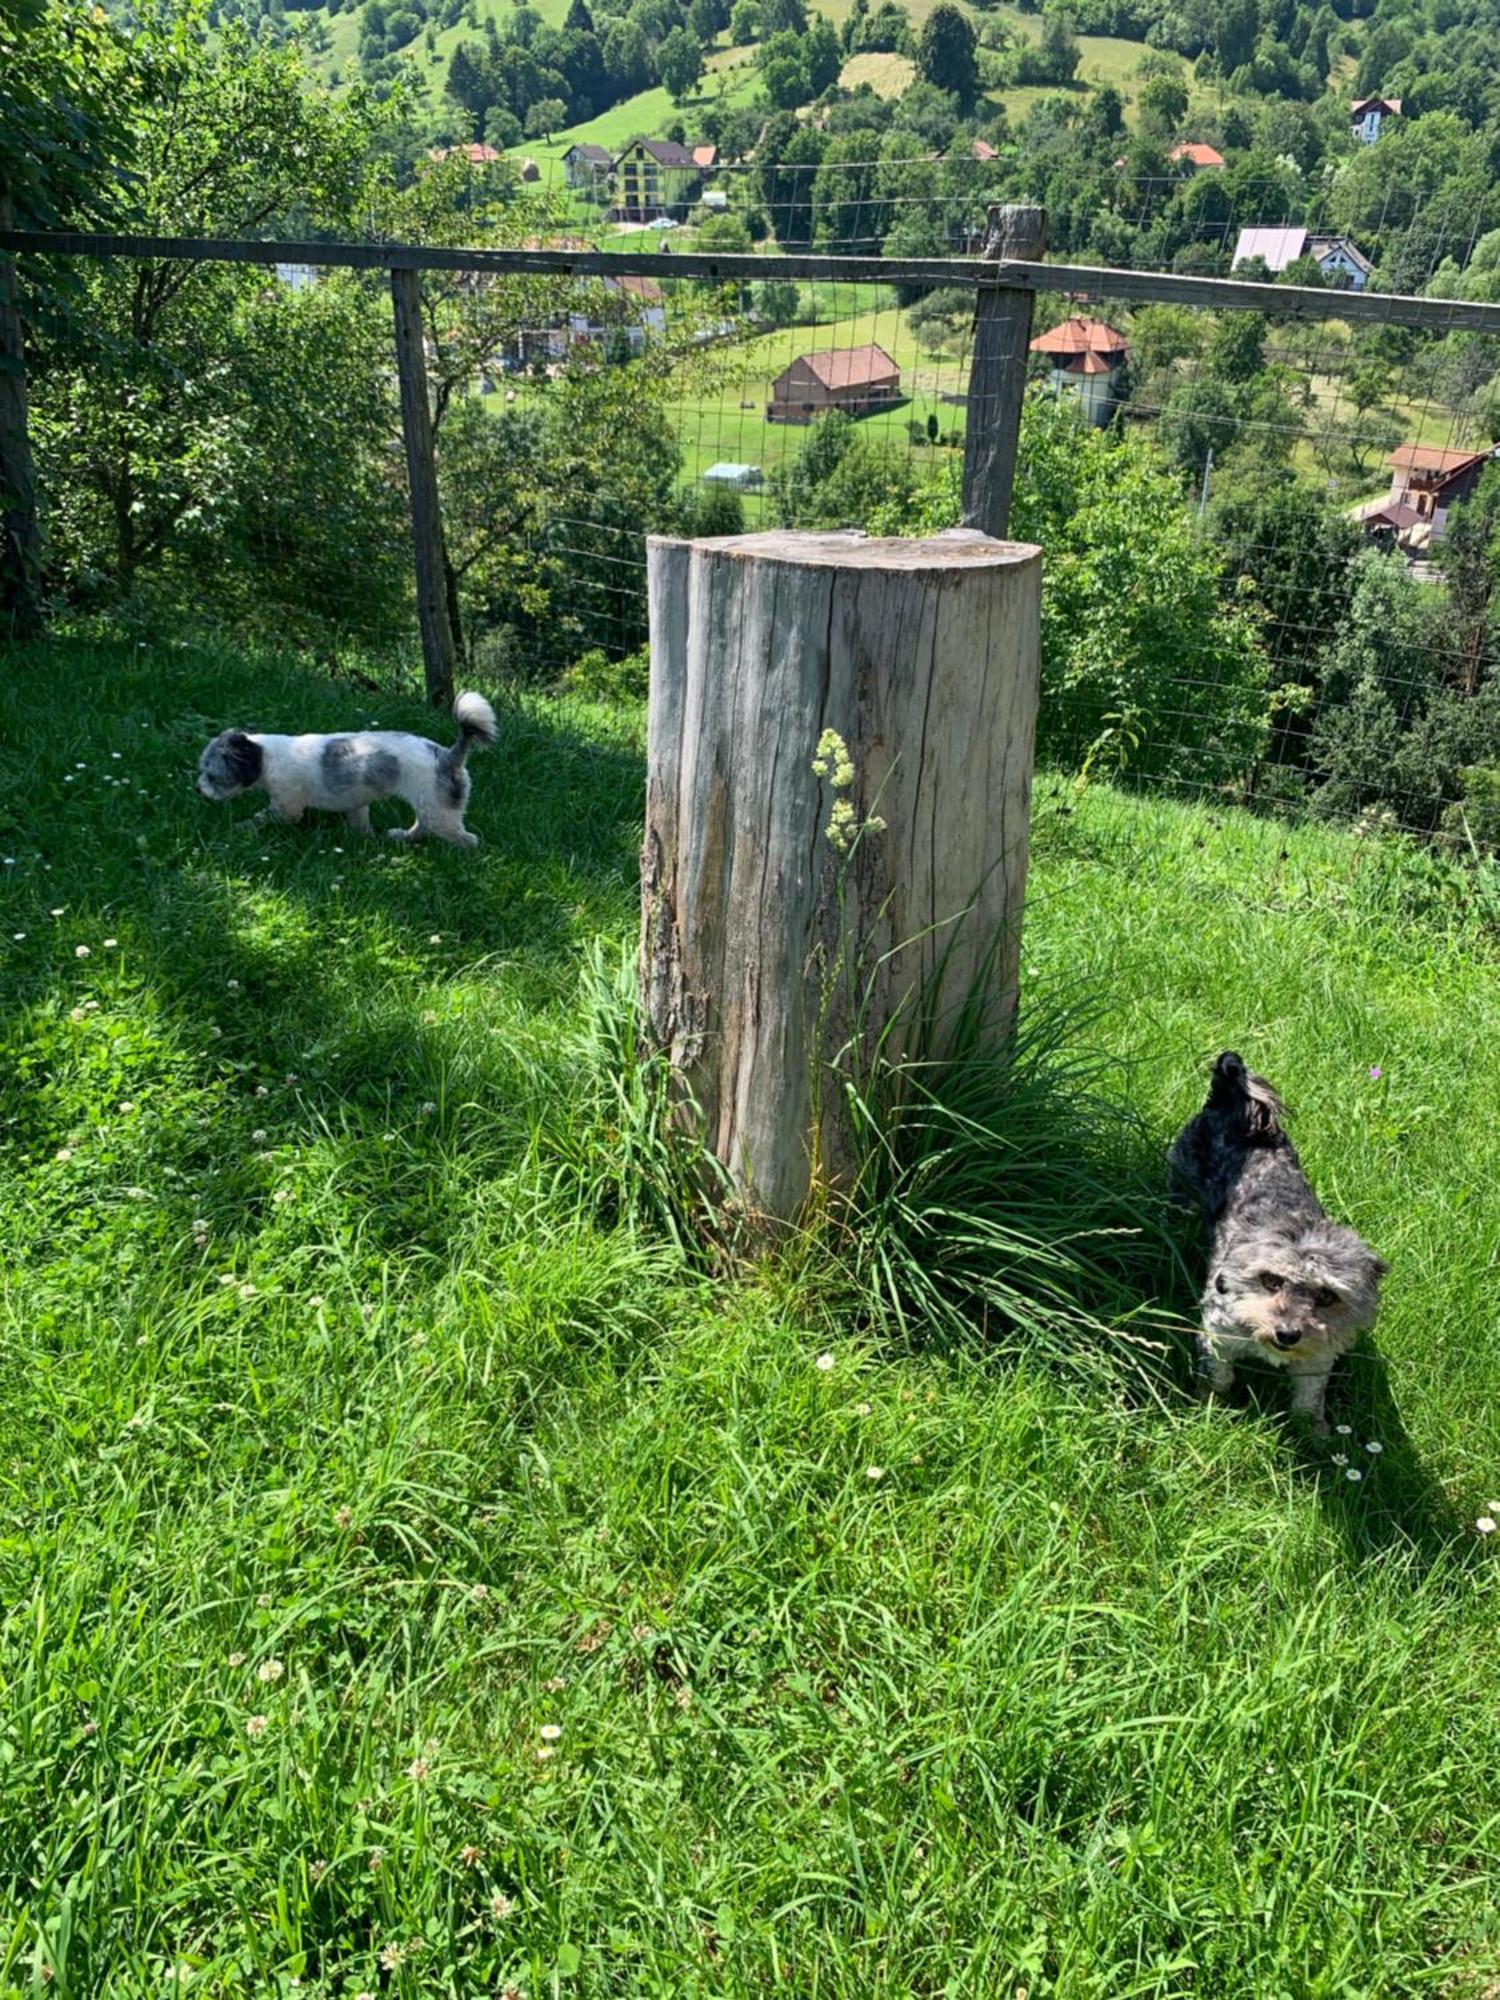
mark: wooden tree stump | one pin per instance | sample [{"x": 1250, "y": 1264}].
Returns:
[{"x": 763, "y": 947}]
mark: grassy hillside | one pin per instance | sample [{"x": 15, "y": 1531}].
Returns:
[{"x": 418, "y": 1577}]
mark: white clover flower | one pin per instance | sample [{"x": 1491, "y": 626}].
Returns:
[
  {"x": 257, "y": 1725},
  {"x": 1354, "y": 1473},
  {"x": 1344, "y": 1430},
  {"x": 861, "y": 1409},
  {"x": 436, "y": 938},
  {"x": 110, "y": 943},
  {"x": 429, "y": 1109},
  {"x": 59, "y": 911},
  {"x": 874, "y": 1472},
  {"x": 1374, "y": 1446},
  {"x": 63, "y": 1154},
  {"x": 824, "y": 1362},
  {"x": 82, "y": 951},
  {"x": 418, "y": 1770},
  {"x": 233, "y": 985},
  {"x": 258, "y": 1136},
  {"x": 214, "y": 1034},
  {"x": 550, "y": 1732},
  {"x": 1486, "y": 1524},
  {"x": 19, "y": 937},
  {"x": 269, "y": 1670},
  {"x": 247, "y": 1290},
  {"x": 262, "y": 1090}
]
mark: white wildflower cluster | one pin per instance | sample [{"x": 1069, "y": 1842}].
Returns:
[{"x": 833, "y": 762}]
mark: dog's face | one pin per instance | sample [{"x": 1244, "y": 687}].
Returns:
[
  {"x": 1296, "y": 1293},
  {"x": 232, "y": 763}
]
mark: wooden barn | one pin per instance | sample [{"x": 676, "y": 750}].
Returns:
[{"x": 852, "y": 379}]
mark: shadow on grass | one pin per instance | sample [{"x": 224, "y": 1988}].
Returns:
[
  {"x": 313, "y": 968},
  {"x": 1395, "y": 1504}
]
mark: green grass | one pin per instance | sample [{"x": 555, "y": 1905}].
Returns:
[
  {"x": 328, "y": 1340},
  {"x": 724, "y": 416}
]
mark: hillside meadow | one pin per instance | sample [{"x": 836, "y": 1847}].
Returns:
[{"x": 423, "y": 1572}]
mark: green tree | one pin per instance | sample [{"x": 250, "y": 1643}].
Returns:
[
  {"x": 544, "y": 117},
  {"x": 141, "y": 403},
  {"x": 64, "y": 138},
  {"x": 679, "y": 63},
  {"x": 945, "y": 53}
]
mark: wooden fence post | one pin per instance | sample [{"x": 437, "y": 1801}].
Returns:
[
  {"x": 438, "y": 648},
  {"x": 997, "y": 376},
  {"x": 20, "y": 535},
  {"x": 764, "y": 950}
]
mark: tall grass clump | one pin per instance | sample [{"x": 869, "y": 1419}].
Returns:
[{"x": 1005, "y": 1191}]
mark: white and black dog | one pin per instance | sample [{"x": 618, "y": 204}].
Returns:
[
  {"x": 1286, "y": 1284},
  {"x": 345, "y": 774}
]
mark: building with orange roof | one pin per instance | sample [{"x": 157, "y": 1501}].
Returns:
[
  {"x": 1193, "y": 153},
  {"x": 1085, "y": 358}
]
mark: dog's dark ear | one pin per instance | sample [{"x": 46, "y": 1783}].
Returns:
[
  {"x": 1380, "y": 1267},
  {"x": 244, "y": 758}
]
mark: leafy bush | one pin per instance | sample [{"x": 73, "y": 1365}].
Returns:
[{"x": 594, "y": 676}]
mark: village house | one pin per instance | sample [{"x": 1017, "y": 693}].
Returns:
[
  {"x": 1367, "y": 114},
  {"x": 657, "y": 178},
  {"x": 587, "y": 166},
  {"x": 1340, "y": 260},
  {"x": 1193, "y": 153},
  {"x": 476, "y": 154},
  {"x": 852, "y": 379},
  {"x": 1427, "y": 482},
  {"x": 1084, "y": 359}
]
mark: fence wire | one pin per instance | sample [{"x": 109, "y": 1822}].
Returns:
[{"x": 1268, "y": 575}]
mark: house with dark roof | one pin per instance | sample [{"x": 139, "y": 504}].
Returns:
[
  {"x": 1368, "y": 114},
  {"x": 1194, "y": 153},
  {"x": 1084, "y": 359},
  {"x": 852, "y": 379},
  {"x": 1339, "y": 258},
  {"x": 655, "y": 178},
  {"x": 1427, "y": 482},
  {"x": 587, "y": 166}
]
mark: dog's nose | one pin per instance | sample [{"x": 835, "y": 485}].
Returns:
[{"x": 1287, "y": 1336}]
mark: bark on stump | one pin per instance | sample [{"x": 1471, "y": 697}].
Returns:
[{"x": 922, "y": 656}]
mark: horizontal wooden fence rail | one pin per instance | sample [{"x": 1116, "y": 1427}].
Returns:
[{"x": 1136, "y": 287}]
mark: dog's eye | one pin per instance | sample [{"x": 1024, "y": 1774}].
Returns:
[
  {"x": 1324, "y": 1297},
  {"x": 1221, "y": 1283},
  {"x": 1270, "y": 1281}
]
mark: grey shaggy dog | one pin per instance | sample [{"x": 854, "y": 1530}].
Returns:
[
  {"x": 346, "y": 774},
  {"x": 1285, "y": 1283}
]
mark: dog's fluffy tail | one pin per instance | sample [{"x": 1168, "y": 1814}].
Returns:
[
  {"x": 1234, "y": 1089},
  {"x": 476, "y": 724}
]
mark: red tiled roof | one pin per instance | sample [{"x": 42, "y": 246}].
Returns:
[
  {"x": 704, "y": 156},
  {"x": 983, "y": 150},
  {"x": 849, "y": 367},
  {"x": 1196, "y": 154},
  {"x": 475, "y": 154},
  {"x": 1363, "y": 104},
  {"x": 1080, "y": 336},
  {"x": 645, "y": 291},
  {"x": 1432, "y": 458}
]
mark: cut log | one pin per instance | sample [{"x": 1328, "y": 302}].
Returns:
[{"x": 772, "y": 954}]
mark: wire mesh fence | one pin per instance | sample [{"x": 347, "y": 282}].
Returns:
[{"x": 1269, "y": 533}]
